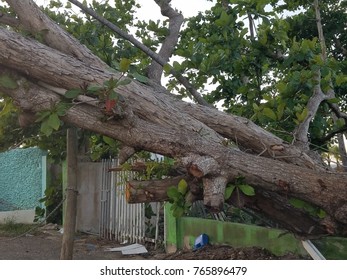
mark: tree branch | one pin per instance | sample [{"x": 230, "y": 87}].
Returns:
[
  {"x": 151, "y": 190},
  {"x": 36, "y": 22},
  {"x": 155, "y": 70},
  {"x": 60, "y": 70},
  {"x": 301, "y": 132},
  {"x": 332, "y": 134},
  {"x": 9, "y": 20},
  {"x": 318, "y": 96},
  {"x": 340, "y": 47},
  {"x": 198, "y": 98},
  {"x": 320, "y": 30}
]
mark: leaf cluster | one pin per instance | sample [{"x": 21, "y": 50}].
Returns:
[{"x": 178, "y": 198}]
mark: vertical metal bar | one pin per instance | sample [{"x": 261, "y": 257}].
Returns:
[
  {"x": 102, "y": 198},
  {"x": 119, "y": 178},
  {"x": 114, "y": 190},
  {"x": 108, "y": 200}
]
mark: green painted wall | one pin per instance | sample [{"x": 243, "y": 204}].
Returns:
[
  {"x": 22, "y": 178},
  {"x": 182, "y": 232}
]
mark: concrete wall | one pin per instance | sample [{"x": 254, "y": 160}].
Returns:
[
  {"x": 22, "y": 179},
  {"x": 88, "y": 199},
  {"x": 18, "y": 216}
]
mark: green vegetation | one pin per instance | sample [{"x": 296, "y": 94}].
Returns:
[{"x": 12, "y": 229}]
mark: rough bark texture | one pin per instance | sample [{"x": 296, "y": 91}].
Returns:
[
  {"x": 156, "y": 121},
  {"x": 150, "y": 191}
]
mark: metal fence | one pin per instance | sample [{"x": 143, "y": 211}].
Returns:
[{"x": 119, "y": 220}]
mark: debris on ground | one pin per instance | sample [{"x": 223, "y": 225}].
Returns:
[
  {"x": 214, "y": 252},
  {"x": 133, "y": 249}
]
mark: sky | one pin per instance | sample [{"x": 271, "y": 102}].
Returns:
[
  {"x": 189, "y": 8},
  {"x": 150, "y": 9}
]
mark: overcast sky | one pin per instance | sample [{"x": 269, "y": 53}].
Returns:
[{"x": 150, "y": 9}]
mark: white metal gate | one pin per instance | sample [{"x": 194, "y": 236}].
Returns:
[{"x": 119, "y": 220}]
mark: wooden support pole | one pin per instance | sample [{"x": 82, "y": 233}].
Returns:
[{"x": 71, "y": 196}]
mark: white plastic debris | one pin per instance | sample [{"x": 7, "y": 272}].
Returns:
[{"x": 133, "y": 249}]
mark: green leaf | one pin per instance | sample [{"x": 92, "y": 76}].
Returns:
[
  {"x": 224, "y": 19},
  {"x": 341, "y": 79},
  {"x": 173, "y": 193},
  {"x": 243, "y": 32},
  {"x": 46, "y": 128},
  {"x": 53, "y": 121},
  {"x": 7, "y": 82},
  {"x": 72, "y": 93},
  {"x": 6, "y": 109},
  {"x": 124, "y": 82},
  {"x": 228, "y": 191},
  {"x": 140, "y": 78},
  {"x": 111, "y": 83},
  {"x": 263, "y": 38},
  {"x": 247, "y": 190},
  {"x": 176, "y": 66},
  {"x": 113, "y": 95},
  {"x": 178, "y": 212},
  {"x": 334, "y": 100},
  {"x": 167, "y": 68},
  {"x": 42, "y": 115},
  {"x": 280, "y": 110},
  {"x": 124, "y": 64},
  {"x": 297, "y": 203},
  {"x": 301, "y": 116},
  {"x": 94, "y": 88},
  {"x": 255, "y": 107},
  {"x": 321, "y": 213},
  {"x": 109, "y": 141},
  {"x": 269, "y": 113},
  {"x": 62, "y": 108},
  {"x": 182, "y": 186}
]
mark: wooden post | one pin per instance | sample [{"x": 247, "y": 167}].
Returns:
[{"x": 71, "y": 197}]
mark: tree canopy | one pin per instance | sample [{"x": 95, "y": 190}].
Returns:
[{"x": 276, "y": 71}]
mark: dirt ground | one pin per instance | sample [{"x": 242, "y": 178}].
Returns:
[{"x": 45, "y": 244}]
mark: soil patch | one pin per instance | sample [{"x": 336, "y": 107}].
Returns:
[{"x": 210, "y": 252}]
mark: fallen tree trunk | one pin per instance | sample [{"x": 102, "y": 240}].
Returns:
[
  {"x": 271, "y": 205},
  {"x": 151, "y": 119}
]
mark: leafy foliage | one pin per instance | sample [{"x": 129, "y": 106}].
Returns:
[
  {"x": 51, "y": 200},
  {"x": 238, "y": 186},
  {"x": 259, "y": 61},
  {"x": 310, "y": 209},
  {"x": 177, "y": 197}
]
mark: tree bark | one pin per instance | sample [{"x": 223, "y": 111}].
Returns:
[
  {"x": 150, "y": 191},
  {"x": 156, "y": 121}
]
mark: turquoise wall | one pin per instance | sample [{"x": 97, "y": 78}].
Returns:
[{"x": 22, "y": 178}]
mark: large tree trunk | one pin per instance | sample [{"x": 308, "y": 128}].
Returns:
[{"x": 153, "y": 120}]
